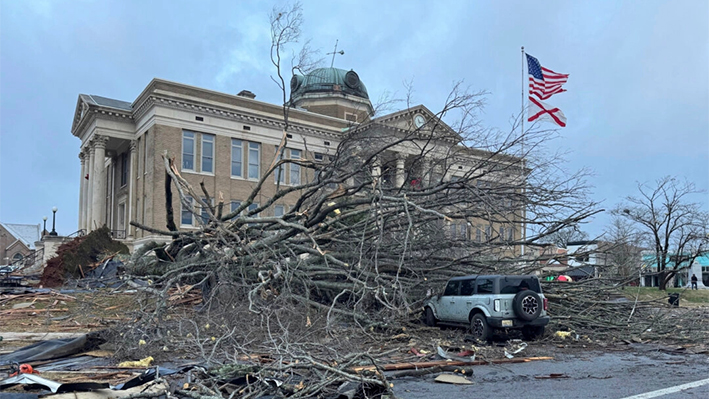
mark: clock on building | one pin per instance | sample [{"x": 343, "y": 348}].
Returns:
[{"x": 419, "y": 120}]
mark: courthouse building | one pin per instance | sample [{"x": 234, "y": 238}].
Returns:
[{"x": 226, "y": 141}]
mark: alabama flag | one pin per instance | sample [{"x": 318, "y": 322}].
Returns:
[{"x": 539, "y": 110}]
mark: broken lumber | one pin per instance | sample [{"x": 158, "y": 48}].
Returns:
[{"x": 440, "y": 363}]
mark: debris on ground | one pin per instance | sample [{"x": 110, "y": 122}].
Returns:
[
  {"x": 452, "y": 379},
  {"x": 80, "y": 256}
]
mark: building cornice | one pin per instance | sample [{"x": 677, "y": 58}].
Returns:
[{"x": 230, "y": 114}]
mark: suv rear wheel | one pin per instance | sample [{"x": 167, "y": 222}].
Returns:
[
  {"x": 479, "y": 327},
  {"x": 527, "y": 305}
]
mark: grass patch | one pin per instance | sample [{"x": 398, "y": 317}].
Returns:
[{"x": 687, "y": 296}]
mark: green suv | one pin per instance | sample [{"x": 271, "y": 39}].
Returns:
[{"x": 488, "y": 302}]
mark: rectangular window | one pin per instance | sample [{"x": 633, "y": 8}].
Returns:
[
  {"x": 138, "y": 208},
  {"x": 234, "y": 206},
  {"x": 488, "y": 232},
  {"x": 137, "y": 164},
  {"x": 252, "y": 208},
  {"x": 187, "y": 150},
  {"x": 254, "y": 161},
  {"x": 452, "y": 288},
  {"x": 124, "y": 169},
  {"x": 510, "y": 234},
  {"x": 319, "y": 157},
  {"x": 294, "y": 168},
  {"x": 145, "y": 210},
  {"x": 478, "y": 234},
  {"x": 237, "y": 156},
  {"x": 207, "y": 153},
  {"x": 145, "y": 153},
  {"x": 465, "y": 231},
  {"x": 204, "y": 214},
  {"x": 467, "y": 287},
  {"x": 279, "y": 211},
  {"x": 280, "y": 173},
  {"x": 186, "y": 219},
  {"x": 484, "y": 286},
  {"x": 122, "y": 216}
]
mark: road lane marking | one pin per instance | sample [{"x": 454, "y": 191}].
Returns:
[{"x": 667, "y": 391}]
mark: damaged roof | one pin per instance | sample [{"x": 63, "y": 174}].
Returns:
[
  {"x": 27, "y": 233},
  {"x": 107, "y": 102}
]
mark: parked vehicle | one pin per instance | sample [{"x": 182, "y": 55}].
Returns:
[{"x": 488, "y": 302}]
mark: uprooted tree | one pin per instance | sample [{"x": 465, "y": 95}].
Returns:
[{"x": 669, "y": 223}]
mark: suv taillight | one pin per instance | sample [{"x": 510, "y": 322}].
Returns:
[{"x": 546, "y": 304}]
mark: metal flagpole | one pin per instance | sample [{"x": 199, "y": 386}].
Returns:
[
  {"x": 524, "y": 211},
  {"x": 523, "y": 98}
]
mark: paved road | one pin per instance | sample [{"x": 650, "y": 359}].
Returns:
[{"x": 592, "y": 374}]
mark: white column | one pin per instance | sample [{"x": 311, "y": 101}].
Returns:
[
  {"x": 131, "y": 185},
  {"x": 90, "y": 189},
  {"x": 82, "y": 184},
  {"x": 98, "y": 199},
  {"x": 376, "y": 168},
  {"x": 400, "y": 164},
  {"x": 426, "y": 172}
]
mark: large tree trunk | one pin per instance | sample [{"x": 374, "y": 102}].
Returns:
[{"x": 662, "y": 281}]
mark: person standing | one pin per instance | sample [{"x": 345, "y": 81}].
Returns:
[{"x": 694, "y": 282}]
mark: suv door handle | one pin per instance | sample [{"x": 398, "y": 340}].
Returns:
[
  {"x": 469, "y": 302},
  {"x": 452, "y": 301}
]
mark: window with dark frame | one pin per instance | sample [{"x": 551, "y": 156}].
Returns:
[
  {"x": 254, "y": 160},
  {"x": 187, "y": 150},
  {"x": 207, "y": 153},
  {"x": 294, "y": 168},
  {"x": 279, "y": 175},
  {"x": 124, "y": 169},
  {"x": 237, "y": 158},
  {"x": 186, "y": 214}
]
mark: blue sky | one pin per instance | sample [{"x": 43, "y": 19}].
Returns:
[{"x": 637, "y": 101}]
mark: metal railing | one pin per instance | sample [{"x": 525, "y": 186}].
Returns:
[
  {"x": 33, "y": 259},
  {"x": 78, "y": 233}
]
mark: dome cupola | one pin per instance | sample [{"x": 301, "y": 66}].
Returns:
[{"x": 333, "y": 92}]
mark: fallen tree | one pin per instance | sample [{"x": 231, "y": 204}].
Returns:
[{"x": 363, "y": 243}]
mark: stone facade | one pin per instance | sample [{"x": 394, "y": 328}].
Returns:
[{"x": 122, "y": 147}]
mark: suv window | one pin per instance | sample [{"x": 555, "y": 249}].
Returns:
[
  {"x": 513, "y": 285},
  {"x": 467, "y": 287},
  {"x": 452, "y": 288},
  {"x": 484, "y": 286}
]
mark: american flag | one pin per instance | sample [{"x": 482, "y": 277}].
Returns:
[{"x": 543, "y": 82}]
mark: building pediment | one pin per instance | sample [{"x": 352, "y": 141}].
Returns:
[
  {"x": 421, "y": 120},
  {"x": 90, "y": 105}
]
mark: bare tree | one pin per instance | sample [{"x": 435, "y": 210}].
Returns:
[
  {"x": 673, "y": 226},
  {"x": 623, "y": 247},
  {"x": 565, "y": 235}
]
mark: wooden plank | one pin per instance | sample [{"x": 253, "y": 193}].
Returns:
[
  {"x": 436, "y": 363},
  {"x": 35, "y": 336}
]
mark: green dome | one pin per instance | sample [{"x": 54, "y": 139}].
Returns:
[{"x": 328, "y": 80}]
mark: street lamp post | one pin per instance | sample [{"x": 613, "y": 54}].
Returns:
[
  {"x": 54, "y": 220},
  {"x": 45, "y": 225}
]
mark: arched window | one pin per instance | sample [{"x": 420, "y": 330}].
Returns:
[{"x": 17, "y": 258}]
